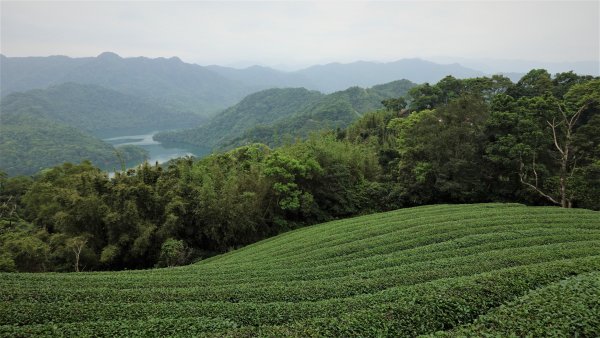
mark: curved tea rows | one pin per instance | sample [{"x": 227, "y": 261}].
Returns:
[
  {"x": 569, "y": 306},
  {"x": 402, "y": 273}
]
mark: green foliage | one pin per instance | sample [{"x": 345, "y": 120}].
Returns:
[
  {"x": 333, "y": 111},
  {"x": 548, "y": 143},
  {"x": 440, "y": 152},
  {"x": 30, "y": 142},
  {"x": 262, "y": 108},
  {"x": 7, "y": 263},
  {"x": 568, "y": 307},
  {"x": 95, "y": 109},
  {"x": 403, "y": 273},
  {"x": 172, "y": 252},
  {"x": 24, "y": 252},
  {"x": 275, "y": 115}
]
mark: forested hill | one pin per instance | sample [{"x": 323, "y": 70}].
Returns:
[
  {"x": 334, "y": 111},
  {"x": 95, "y": 109},
  {"x": 179, "y": 86},
  {"x": 273, "y": 115},
  {"x": 30, "y": 142},
  {"x": 264, "y": 107}
]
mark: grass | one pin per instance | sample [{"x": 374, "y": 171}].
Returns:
[{"x": 456, "y": 270}]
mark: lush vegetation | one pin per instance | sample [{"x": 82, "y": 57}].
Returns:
[
  {"x": 30, "y": 142},
  {"x": 334, "y": 111},
  {"x": 263, "y": 107},
  {"x": 458, "y": 141},
  {"x": 402, "y": 273},
  {"x": 276, "y": 115},
  {"x": 95, "y": 109},
  {"x": 568, "y": 307},
  {"x": 126, "y": 219}
]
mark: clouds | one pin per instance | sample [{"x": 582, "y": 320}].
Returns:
[{"x": 304, "y": 32}]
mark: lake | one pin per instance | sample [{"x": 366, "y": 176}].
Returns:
[{"x": 157, "y": 151}]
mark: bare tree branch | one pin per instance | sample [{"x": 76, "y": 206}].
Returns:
[
  {"x": 522, "y": 177},
  {"x": 553, "y": 125}
]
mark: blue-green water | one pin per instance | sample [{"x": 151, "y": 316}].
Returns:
[{"x": 157, "y": 151}]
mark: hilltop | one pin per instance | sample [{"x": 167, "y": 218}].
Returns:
[{"x": 401, "y": 273}]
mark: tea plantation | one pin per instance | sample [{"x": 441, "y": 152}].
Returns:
[{"x": 444, "y": 270}]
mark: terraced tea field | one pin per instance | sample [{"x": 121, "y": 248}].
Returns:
[{"x": 495, "y": 269}]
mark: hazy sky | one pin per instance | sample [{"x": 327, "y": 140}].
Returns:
[{"x": 301, "y": 33}]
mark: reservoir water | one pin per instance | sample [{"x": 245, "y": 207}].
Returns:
[{"x": 157, "y": 151}]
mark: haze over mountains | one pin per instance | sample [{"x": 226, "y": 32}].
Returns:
[
  {"x": 493, "y": 66},
  {"x": 185, "y": 87},
  {"x": 179, "y": 86}
]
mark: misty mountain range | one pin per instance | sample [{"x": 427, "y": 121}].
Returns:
[{"x": 204, "y": 90}]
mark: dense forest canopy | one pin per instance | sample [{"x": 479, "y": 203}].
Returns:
[{"x": 457, "y": 141}]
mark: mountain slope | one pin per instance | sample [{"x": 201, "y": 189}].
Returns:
[
  {"x": 402, "y": 273},
  {"x": 271, "y": 115},
  {"x": 30, "y": 142},
  {"x": 179, "y": 86},
  {"x": 263, "y": 107},
  {"x": 336, "y": 110},
  {"x": 95, "y": 109}
]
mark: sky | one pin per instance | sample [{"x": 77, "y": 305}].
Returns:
[{"x": 289, "y": 34}]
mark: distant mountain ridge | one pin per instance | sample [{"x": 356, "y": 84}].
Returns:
[
  {"x": 186, "y": 87},
  {"x": 179, "y": 86},
  {"x": 336, "y": 76},
  {"x": 333, "y": 77},
  {"x": 495, "y": 66}
]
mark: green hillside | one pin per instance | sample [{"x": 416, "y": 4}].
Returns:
[
  {"x": 95, "y": 109},
  {"x": 565, "y": 307},
  {"x": 264, "y": 107},
  {"x": 401, "y": 273},
  {"x": 273, "y": 115},
  {"x": 30, "y": 142},
  {"x": 336, "y": 110}
]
